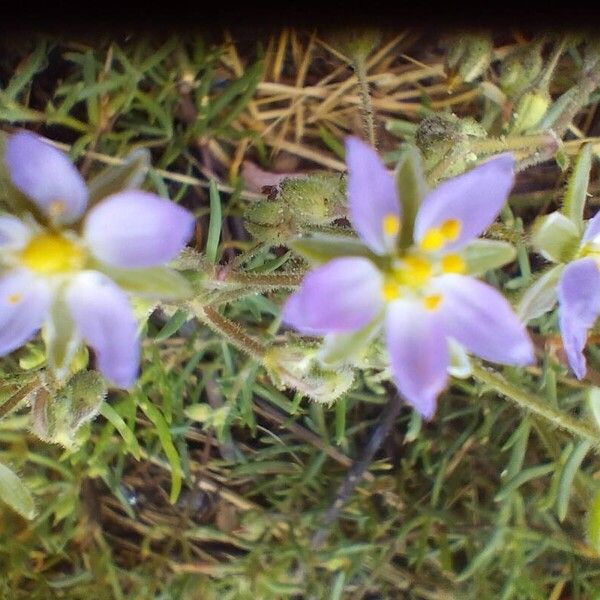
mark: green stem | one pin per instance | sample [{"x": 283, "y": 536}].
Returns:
[
  {"x": 17, "y": 397},
  {"x": 231, "y": 331},
  {"x": 266, "y": 280},
  {"x": 516, "y": 142},
  {"x": 535, "y": 405}
]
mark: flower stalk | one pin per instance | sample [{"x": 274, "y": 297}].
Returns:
[{"x": 535, "y": 405}]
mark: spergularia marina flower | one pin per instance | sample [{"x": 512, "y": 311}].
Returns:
[
  {"x": 63, "y": 268},
  {"x": 578, "y": 294},
  {"x": 420, "y": 293}
]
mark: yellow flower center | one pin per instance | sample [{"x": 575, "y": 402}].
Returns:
[
  {"x": 414, "y": 271},
  {"x": 51, "y": 253}
]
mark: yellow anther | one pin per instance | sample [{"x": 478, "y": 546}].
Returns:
[
  {"x": 14, "y": 298},
  {"x": 453, "y": 263},
  {"x": 450, "y": 229},
  {"x": 390, "y": 291},
  {"x": 432, "y": 240},
  {"x": 51, "y": 253},
  {"x": 391, "y": 225},
  {"x": 432, "y": 302}
]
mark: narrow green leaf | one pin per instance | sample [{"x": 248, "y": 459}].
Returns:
[
  {"x": 593, "y": 523},
  {"x": 215, "y": 223},
  {"x": 166, "y": 441},
  {"x": 485, "y": 255},
  {"x": 320, "y": 248},
  {"x": 173, "y": 325},
  {"x": 15, "y": 494},
  {"x": 114, "y": 179},
  {"x": 568, "y": 475},
  {"x": 491, "y": 548},
  {"x": 576, "y": 193},
  {"x": 540, "y": 297},
  {"x": 342, "y": 348},
  {"x": 521, "y": 478},
  {"x": 36, "y": 62},
  {"x": 151, "y": 282},
  {"x": 115, "y": 419},
  {"x": 593, "y": 396}
]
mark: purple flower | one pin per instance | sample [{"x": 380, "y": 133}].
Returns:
[
  {"x": 578, "y": 294},
  {"x": 421, "y": 294},
  {"x": 60, "y": 267}
]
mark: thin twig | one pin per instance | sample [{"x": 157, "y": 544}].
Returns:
[{"x": 356, "y": 473}]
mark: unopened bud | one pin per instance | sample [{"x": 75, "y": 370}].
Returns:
[
  {"x": 468, "y": 58},
  {"x": 296, "y": 367},
  {"x": 520, "y": 68},
  {"x": 529, "y": 110}
]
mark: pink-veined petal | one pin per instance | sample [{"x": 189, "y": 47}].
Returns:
[
  {"x": 418, "y": 350},
  {"x": 474, "y": 199},
  {"x": 478, "y": 317},
  {"x": 24, "y": 305},
  {"x": 105, "y": 320},
  {"x": 579, "y": 305},
  {"x": 342, "y": 295},
  {"x": 46, "y": 176},
  {"x": 133, "y": 229},
  {"x": 372, "y": 196}
]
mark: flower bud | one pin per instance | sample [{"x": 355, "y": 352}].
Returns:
[
  {"x": 520, "y": 68},
  {"x": 529, "y": 110},
  {"x": 468, "y": 58},
  {"x": 58, "y": 414},
  {"x": 296, "y": 366},
  {"x": 298, "y": 204}
]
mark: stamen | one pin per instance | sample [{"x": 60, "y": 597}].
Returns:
[
  {"x": 432, "y": 302},
  {"x": 450, "y": 229},
  {"x": 391, "y": 225},
  {"x": 432, "y": 240},
  {"x": 415, "y": 271},
  {"x": 453, "y": 263},
  {"x": 390, "y": 291}
]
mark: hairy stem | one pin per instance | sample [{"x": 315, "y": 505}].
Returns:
[
  {"x": 17, "y": 397},
  {"x": 229, "y": 330},
  {"x": 537, "y": 406},
  {"x": 368, "y": 113}
]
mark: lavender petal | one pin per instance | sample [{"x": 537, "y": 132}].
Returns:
[
  {"x": 579, "y": 306},
  {"x": 372, "y": 196},
  {"x": 473, "y": 199},
  {"x": 105, "y": 320},
  {"x": 46, "y": 176},
  {"x": 24, "y": 305},
  {"x": 137, "y": 229},
  {"x": 418, "y": 350},
  {"x": 340, "y": 296},
  {"x": 478, "y": 317}
]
